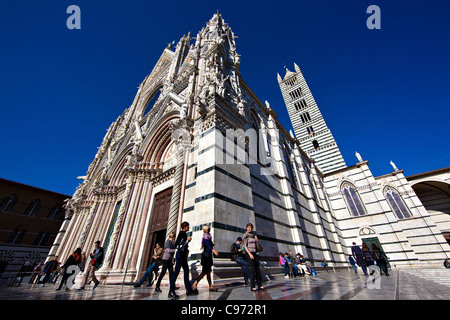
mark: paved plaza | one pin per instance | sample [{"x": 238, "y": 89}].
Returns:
[{"x": 402, "y": 284}]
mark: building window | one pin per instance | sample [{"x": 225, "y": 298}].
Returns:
[
  {"x": 315, "y": 144},
  {"x": 152, "y": 101},
  {"x": 305, "y": 117},
  {"x": 396, "y": 203},
  {"x": 33, "y": 208},
  {"x": 353, "y": 200},
  {"x": 55, "y": 212},
  {"x": 41, "y": 239},
  {"x": 296, "y": 94},
  {"x": 310, "y": 130},
  {"x": 16, "y": 236},
  {"x": 300, "y": 105},
  {"x": 111, "y": 226},
  {"x": 289, "y": 167},
  {"x": 291, "y": 82},
  {"x": 8, "y": 203}
]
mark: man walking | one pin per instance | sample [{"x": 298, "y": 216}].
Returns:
[
  {"x": 182, "y": 245},
  {"x": 49, "y": 267},
  {"x": 96, "y": 262},
  {"x": 358, "y": 254}
]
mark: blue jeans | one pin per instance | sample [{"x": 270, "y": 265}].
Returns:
[
  {"x": 148, "y": 273},
  {"x": 286, "y": 269},
  {"x": 180, "y": 262},
  {"x": 364, "y": 269},
  {"x": 244, "y": 265}
]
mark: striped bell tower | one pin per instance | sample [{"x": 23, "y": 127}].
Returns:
[{"x": 308, "y": 123}]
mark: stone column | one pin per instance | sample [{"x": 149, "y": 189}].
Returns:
[
  {"x": 176, "y": 193},
  {"x": 139, "y": 226},
  {"x": 61, "y": 234},
  {"x": 182, "y": 138}
]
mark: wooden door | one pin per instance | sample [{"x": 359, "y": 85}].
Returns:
[
  {"x": 160, "y": 212},
  {"x": 158, "y": 224}
]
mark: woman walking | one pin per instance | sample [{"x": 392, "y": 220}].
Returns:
[
  {"x": 167, "y": 260},
  {"x": 380, "y": 258},
  {"x": 207, "y": 258},
  {"x": 154, "y": 265},
  {"x": 368, "y": 255},
  {"x": 250, "y": 245}
]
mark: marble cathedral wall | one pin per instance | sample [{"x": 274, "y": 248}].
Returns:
[{"x": 165, "y": 160}]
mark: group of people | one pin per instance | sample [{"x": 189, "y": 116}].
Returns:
[
  {"x": 52, "y": 269},
  {"x": 294, "y": 266},
  {"x": 46, "y": 273},
  {"x": 364, "y": 258},
  {"x": 174, "y": 257},
  {"x": 244, "y": 251}
]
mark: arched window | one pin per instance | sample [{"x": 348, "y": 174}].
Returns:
[
  {"x": 8, "y": 203},
  {"x": 255, "y": 126},
  {"x": 55, "y": 212},
  {"x": 396, "y": 203},
  {"x": 33, "y": 208},
  {"x": 16, "y": 236},
  {"x": 41, "y": 239},
  {"x": 353, "y": 200},
  {"x": 289, "y": 167},
  {"x": 151, "y": 102}
]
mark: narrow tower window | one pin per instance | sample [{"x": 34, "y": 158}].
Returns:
[{"x": 315, "y": 144}]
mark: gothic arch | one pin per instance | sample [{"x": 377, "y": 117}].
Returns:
[
  {"x": 435, "y": 197},
  {"x": 148, "y": 92},
  {"x": 353, "y": 199},
  {"x": 118, "y": 172},
  {"x": 155, "y": 93},
  {"x": 434, "y": 183},
  {"x": 396, "y": 202},
  {"x": 157, "y": 141}
]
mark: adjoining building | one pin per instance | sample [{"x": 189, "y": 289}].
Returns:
[
  {"x": 30, "y": 219},
  {"x": 198, "y": 145}
]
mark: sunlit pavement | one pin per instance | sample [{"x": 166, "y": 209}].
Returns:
[{"x": 343, "y": 285}]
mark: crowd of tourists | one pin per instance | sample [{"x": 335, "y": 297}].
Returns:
[
  {"x": 173, "y": 256},
  {"x": 363, "y": 257}
]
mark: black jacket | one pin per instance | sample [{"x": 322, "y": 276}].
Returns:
[{"x": 235, "y": 252}]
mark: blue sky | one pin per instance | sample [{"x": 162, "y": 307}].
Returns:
[{"x": 384, "y": 93}]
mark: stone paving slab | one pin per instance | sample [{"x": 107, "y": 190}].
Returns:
[{"x": 342, "y": 285}]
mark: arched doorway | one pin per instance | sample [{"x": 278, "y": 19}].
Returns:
[
  {"x": 435, "y": 197},
  {"x": 158, "y": 223}
]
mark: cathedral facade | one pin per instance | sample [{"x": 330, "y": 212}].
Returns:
[{"x": 198, "y": 145}]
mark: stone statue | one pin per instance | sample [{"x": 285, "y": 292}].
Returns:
[
  {"x": 394, "y": 166},
  {"x": 358, "y": 156}
]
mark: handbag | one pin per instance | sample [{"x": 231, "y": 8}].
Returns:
[
  {"x": 93, "y": 262},
  {"x": 259, "y": 247}
]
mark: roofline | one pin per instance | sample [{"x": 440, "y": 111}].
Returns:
[
  {"x": 26, "y": 185},
  {"x": 423, "y": 174}
]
